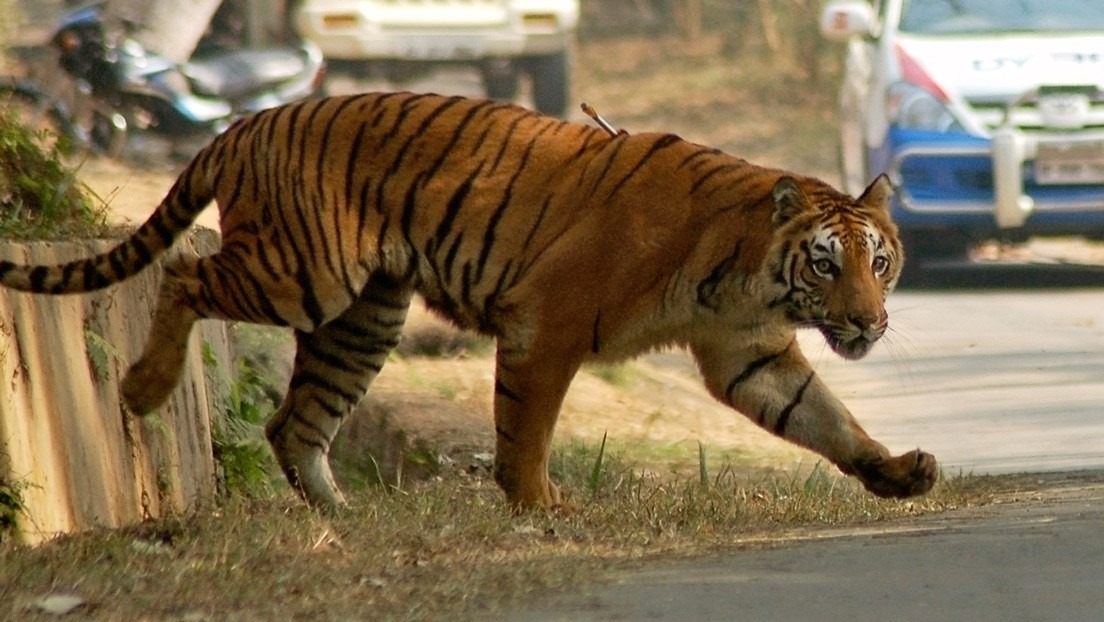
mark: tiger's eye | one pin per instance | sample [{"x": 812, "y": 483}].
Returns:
[
  {"x": 823, "y": 267},
  {"x": 880, "y": 265}
]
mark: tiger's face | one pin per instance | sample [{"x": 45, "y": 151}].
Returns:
[{"x": 838, "y": 258}]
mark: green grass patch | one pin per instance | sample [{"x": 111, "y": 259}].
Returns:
[{"x": 40, "y": 197}]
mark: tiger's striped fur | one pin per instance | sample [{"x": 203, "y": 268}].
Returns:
[{"x": 565, "y": 243}]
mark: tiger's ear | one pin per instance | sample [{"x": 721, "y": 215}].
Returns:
[
  {"x": 877, "y": 193},
  {"x": 789, "y": 200}
]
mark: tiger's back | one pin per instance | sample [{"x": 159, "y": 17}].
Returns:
[
  {"x": 476, "y": 200},
  {"x": 564, "y": 242}
]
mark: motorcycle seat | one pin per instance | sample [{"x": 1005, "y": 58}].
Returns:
[{"x": 239, "y": 73}]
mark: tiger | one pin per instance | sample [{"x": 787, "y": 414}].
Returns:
[{"x": 565, "y": 243}]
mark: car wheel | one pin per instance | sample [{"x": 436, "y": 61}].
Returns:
[{"x": 550, "y": 75}]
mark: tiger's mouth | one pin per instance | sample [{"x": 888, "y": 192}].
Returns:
[{"x": 850, "y": 342}]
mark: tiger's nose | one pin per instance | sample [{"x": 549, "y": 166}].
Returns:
[
  {"x": 870, "y": 325},
  {"x": 863, "y": 321}
]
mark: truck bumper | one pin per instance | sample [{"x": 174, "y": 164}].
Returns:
[{"x": 353, "y": 32}]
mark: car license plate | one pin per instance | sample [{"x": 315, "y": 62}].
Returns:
[
  {"x": 442, "y": 48},
  {"x": 1070, "y": 162}
]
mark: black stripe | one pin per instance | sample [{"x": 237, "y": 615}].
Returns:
[
  {"x": 716, "y": 170},
  {"x": 115, "y": 260},
  {"x": 450, "y": 257},
  {"x": 262, "y": 254},
  {"x": 364, "y": 205},
  {"x": 239, "y": 187},
  {"x": 141, "y": 250},
  {"x": 492, "y": 298},
  {"x": 784, "y": 416},
  {"x": 466, "y": 286},
  {"x": 492, "y": 225},
  {"x": 412, "y": 135},
  {"x": 67, "y": 275},
  {"x": 499, "y": 431},
  {"x": 707, "y": 288},
  {"x": 164, "y": 233},
  {"x": 297, "y": 415},
  {"x": 609, "y": 163},
  {"x": 457, "y": 133},
  {"x": 373, "y": 296},
  {"x": 302, "y": 378},
  {"x": 753, "y": 367},
  {"x": 329, "y": 359},
  {"x": 38, "y": 278},
  {"x": 504, "y": 391},
  {"x": 311, "y": 306},
  {"x": 351, "y": 162},
  {"x": 595, "y": 344},
  {"x": 335, "y": 412},
  {"x": 660, "y": 144},
  {"x": 507, "y": 140},
  {"x": 694, "y": 156},
  {"x": 310, "y": 442},
  {"x": 451, "y": 211},
  {"x": 537, "y": 222},
  {"x": 410, "y": 204}
]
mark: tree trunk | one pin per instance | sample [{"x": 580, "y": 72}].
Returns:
[{"x": 172, "y": 28}]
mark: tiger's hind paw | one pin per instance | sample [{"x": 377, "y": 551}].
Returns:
[
  {"x": 145, "y": 388},
  {"x": 907, "y": 475}
]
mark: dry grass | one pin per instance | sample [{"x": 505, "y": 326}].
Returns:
[{"x": 446, "y": 548}]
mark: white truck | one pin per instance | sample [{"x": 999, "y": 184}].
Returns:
[{"x": 503, "y": 39}]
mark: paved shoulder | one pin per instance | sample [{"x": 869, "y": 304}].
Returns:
[{"x": 1042, "y": 560}]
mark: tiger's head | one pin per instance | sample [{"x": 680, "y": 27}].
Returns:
[{"x": 835, "y": 258}]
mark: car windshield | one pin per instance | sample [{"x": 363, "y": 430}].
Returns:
[{"x": 1001, "y": 16}]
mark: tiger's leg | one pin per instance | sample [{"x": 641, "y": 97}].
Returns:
[
  {"x": 154, "y": 375},
  {"x": 334, "y": 365},
  {"x": 194, "y": 288},
  {"x": 774, "y": 386},
  {"x": 529, "y": 389}
]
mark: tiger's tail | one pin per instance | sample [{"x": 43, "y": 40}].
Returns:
[{"x": 191, "y": 193}]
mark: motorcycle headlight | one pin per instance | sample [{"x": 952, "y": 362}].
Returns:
[{"x": 912, "y": 107}]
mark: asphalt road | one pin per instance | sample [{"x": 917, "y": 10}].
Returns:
[
  {"x": 990, "y": 379},
  {"x": 1036, "y": 562}
]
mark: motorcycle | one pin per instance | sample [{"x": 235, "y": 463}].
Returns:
[{"x": 131, "y": 101}]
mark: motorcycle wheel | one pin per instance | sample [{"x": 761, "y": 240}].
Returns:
[{"x": 44, "y": 117}]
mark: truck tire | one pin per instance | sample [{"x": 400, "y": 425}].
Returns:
[
  {"x": 500, "y": 80},
  {"x": 550, "y": 75}
]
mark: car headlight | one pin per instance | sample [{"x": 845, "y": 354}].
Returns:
[{"x": 914, "y": 108}]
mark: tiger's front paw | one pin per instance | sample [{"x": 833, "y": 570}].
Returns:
[{"x": 906, "y": 475}]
